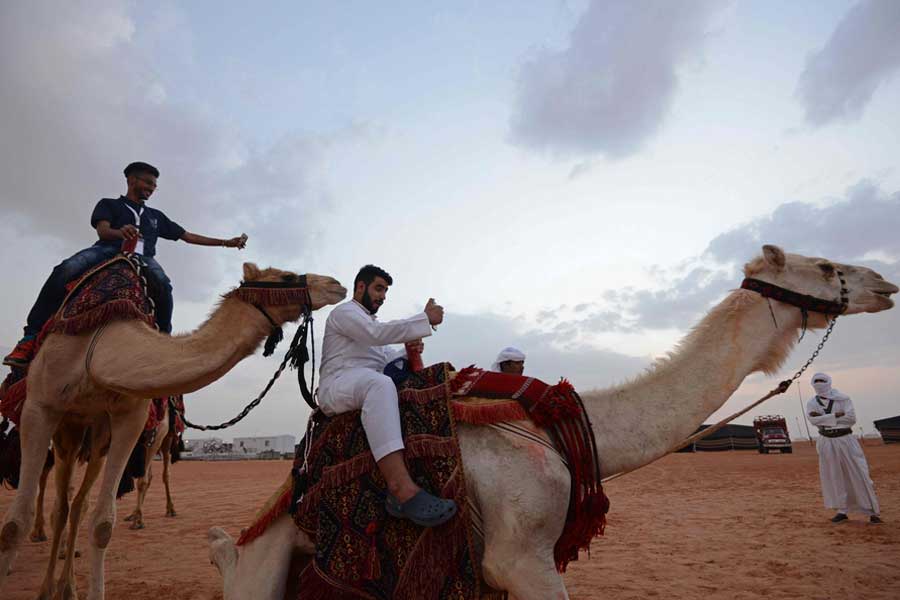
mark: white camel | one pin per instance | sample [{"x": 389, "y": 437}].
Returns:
[{"x": 522, "y": 488}]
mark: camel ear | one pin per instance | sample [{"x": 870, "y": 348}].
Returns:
[
  {"x": 251, "y": 272},
  {"x": 774, "y": 256}
]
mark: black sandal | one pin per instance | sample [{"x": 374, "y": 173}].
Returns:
[{"x": 423, "y": 509}]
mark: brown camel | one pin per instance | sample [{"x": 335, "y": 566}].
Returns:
[
  {"x": 164, "y": 440},
  {"x": 103, "y": 379}
]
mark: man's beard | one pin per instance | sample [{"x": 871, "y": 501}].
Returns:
[{"x": 367, "y": 302}]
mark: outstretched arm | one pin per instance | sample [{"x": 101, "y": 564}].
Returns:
[{"x": 201, "y": 240}]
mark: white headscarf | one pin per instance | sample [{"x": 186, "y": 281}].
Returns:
[
  {"x": 508, "y": 353},
  {"x": 821, "y": 382}
]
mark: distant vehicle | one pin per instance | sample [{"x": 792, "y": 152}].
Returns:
[{"x": 772, "y": 434}]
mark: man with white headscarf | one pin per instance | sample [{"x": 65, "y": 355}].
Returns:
[
  {"x": 843, "y": 470},
  {"x": 510, "y": 360}
]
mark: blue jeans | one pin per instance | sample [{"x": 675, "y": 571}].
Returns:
[
  {"x": 163, "y": 287},
  {"x": 54, "y": 291}
]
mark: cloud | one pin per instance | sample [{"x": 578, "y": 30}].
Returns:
[
  {"x": 864, "y": 222},
  {"x": 84, "y": 93},
  {"x": 860, "y": 228},
  {"x": 465, "y": 339},
  {"x": 862, "y": 54},
  {"x": 611, "y": 89}
]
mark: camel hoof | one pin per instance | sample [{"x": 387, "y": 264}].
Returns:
[
  {"x": 171, "y": 513},
  {"x": 39, "y": 537},
  {"x": 136, "y": 525},
  {"x": 130, "y": 517}
]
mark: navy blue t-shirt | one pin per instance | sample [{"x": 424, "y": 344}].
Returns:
[{"x": 154, "y": 224}]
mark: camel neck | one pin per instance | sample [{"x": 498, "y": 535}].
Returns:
[
  {"x": 643, "y": 420},
  {"x": 185, "y": 363}
]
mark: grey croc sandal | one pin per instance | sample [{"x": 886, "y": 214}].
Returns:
[{"x": 423, "y": 509}]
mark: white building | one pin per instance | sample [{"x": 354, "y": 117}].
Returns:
[{"x": 282, "y": 444}]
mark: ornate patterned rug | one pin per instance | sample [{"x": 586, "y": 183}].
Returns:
[{"x": 361, "y": 552}]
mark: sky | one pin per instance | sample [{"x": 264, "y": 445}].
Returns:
[{"x": 582, "y": 180}]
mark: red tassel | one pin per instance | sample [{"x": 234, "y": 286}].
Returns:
[
  {"x": 373, "y": 564},
  {"x": 13, "y": 401}
]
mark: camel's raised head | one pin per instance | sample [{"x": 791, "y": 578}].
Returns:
[
  {"x": 867, "y": 291},
  {"x": 283, "y": 291}
]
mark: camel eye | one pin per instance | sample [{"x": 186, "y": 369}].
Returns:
[
  {"x": 288, "y": 277},
  {"x": 827, "y": 269}
]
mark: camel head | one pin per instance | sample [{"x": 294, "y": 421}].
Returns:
[
  {"x": 323, "y": 291},
  {"x": 867, "y": 291}
]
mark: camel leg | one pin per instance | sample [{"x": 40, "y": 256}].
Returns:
[
  {"x": 66, "y": 589},
  {"x": 37, "y": 427},
  {"x": 143, "y": 484},
  {"x": 65, "y": 465},
  {"x": 37, "y": 532},
  {"x": 167, "y": 461},
  {"x": 124, "y": 432}
]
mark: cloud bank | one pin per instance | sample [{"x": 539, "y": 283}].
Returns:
[
  {"x": 862, "y": 54},
  {"x": 611, "y": 89}
]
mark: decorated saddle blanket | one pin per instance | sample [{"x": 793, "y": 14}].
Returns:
[
  {"x": 360, "y": 550},
  {"x": 115, "y": 290},
  {"x": 339, "y": 498}
]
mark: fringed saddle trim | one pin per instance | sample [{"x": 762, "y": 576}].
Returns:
[
  {"x": 433, "y": 546},
  {"x": 417, "y": 446},
  {"x": 437, "y": 393},
  {"x": 486, "y": 411},
  {"x": 270, "y": 296},
  {"x": 277, "y": 505},
  {"x": 117, "y": 310}
]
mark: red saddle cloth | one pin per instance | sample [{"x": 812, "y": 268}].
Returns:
[{"x": 113, "y": 291}]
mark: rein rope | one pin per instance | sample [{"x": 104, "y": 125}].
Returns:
[
  {"x": 804, "y": 303},
  {"x": 297, "y": 354}
]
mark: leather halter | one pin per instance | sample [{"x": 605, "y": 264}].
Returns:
[{"x": 802, "y": 301}]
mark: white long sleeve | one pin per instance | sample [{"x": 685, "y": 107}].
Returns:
[{"x": 355, "y": 339}]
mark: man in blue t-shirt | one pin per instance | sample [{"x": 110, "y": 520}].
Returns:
[{"x": 116, "y": 220}]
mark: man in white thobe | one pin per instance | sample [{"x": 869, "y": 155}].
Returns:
[
  {"x": 510, "y": 360},
  {"x": 843, "y": 470},
  {"x": 354, "y": 355}
]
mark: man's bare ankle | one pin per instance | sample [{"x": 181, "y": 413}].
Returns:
[{"x": 403, "y": 492}]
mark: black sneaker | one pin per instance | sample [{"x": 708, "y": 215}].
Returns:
[
  {"x": 838, "y": 518},
  {"x": 875, "y": 519}
]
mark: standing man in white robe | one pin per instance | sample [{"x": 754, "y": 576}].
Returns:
[
  {"x": 843, "y": 470},
  {"x": 354, "y": 355}
]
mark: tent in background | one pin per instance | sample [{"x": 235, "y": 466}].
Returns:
[
  {"x": 889, "y": 429},
  {"x": 730, "y": 437}
]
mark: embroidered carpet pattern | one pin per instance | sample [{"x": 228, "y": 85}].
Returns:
[{"x": 361, "y": 552}]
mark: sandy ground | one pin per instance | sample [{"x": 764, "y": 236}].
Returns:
[{"x": 712, "y": 525}]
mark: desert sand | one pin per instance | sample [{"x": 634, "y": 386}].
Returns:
[{"x": 707, "y": 525}]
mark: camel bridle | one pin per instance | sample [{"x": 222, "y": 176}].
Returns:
[
  {"x": 260, "y": 294},
  {"x": 805, "y": 303}
]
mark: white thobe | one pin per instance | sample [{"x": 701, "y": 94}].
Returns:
[
  {"x": 353, "y": 358},
  {"x": 843, "y": 470}
]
